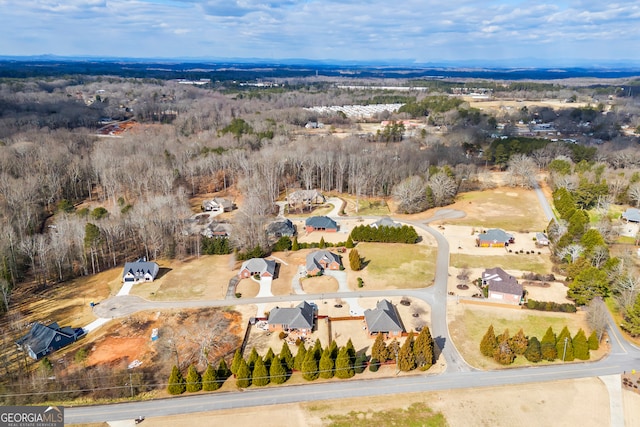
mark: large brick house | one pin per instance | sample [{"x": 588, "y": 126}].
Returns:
[
  {"x": 502, "y": 286},
  {"x": 257, "y": 266},
  {"x": 383, "y": 319},
  {"x": 320, "y": 223},
  {"x": 494, "y": 238},
  {"x": 321, "y": 260},
  {"x": 300, "y": 318}
]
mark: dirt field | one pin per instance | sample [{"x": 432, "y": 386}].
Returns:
[{"x": 583, "y": 402}]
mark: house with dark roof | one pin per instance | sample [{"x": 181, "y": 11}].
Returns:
[
  {"x": 257, "y": 266},
  {"x": 383, "y": 319},
  {"x": 42, "y": 340},
  {"x": 280, "y": 228},
  {"x": 217, "y": 229},
  {"x": 494, "y": 238},
  {"x": 300, "y": 318},
  {"x": 502, "y": 286},
  {"x": 631, "y": 215},
  {"x": 140, "y": 271},
  {"x": 321, "y": 260},
  {"x": 386, "y": 222},
  {"x": 320, "y": 223}
]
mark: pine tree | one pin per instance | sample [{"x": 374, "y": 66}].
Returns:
[
  {"x": 355, "y": 262},
  {"x": 333, "y": 350},
  {"x": 564, "y": 345},
  {"x": 548, "y": 346},
  {"x": 489, "y": 342},
  {"x": 210, "y": 379},
  {"x": 594, "y": 344},
  {"x": 631, "y": 321},
  {"x": 361, "y": 363},
  {"x": 581, "y": 346},
  {"x": 533, "y": 353},
  {"x": 423, "y": 349},
  {"x": 176, "y": 382},
  {"x": 243, "y": 375},
  {"x": 317, "y": 350},
  {"x": 503, "y": 353},
  {"x": 379, "y": 348},
  {"x": 322, "y": 243},
  {"x": 260, "y": 375},
  {"x": 406, "y": 357},
  {"x": 253, "y": 357},
  {"x": 351, "y": 351},
  {"x": 300, "y": 356},
  {"x": 344, "y": 367},
  {"x": 349, "y": 244},
  {"x": 236, "y": 362},
  {"x": 519, "y": 343},
  {"x": 326, "y": 364},
  {"x": 310, "y": 367},
  {"x": 194, "y": 381},
  {"x": 286, "y": 357},
  {"x": 294, "y": 244},
  {"x": 277, "y": 371},
  {"x": 223, "y": 370}
]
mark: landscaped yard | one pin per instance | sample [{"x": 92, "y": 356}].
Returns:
[
  {"x": 469, "y": 322},
  {"x": 395, "y": 265}
]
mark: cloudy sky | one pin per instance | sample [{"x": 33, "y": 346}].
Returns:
[{"x": 557, "y": 32}]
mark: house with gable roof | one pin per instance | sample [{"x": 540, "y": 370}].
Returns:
[
  {"x": 321, "y": 260},
  {"x": 140, "y": 271},
  {"x": 494, "y": 238},
  {"x": 257, "y": 266},
  {"x": 218, "y": 204},
  {"x": 631, "y": 215},
  {"x": 42, "y": 340},
  {"x": 300, "y": 318},
  {"x": 320, "y": 223},
  {"x": 280, "y": 228},
  {"x": 502, "y": 286},
  {"x": 386, "y": 222},
  {"x": 383, "y": 319}
]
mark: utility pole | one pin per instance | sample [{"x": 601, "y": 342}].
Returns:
[
  {"x": 564, "y": 353},
  {"x": 131, "y": 383}
]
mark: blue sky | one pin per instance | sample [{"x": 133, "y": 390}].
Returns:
[{"x": 557, "y": 32}]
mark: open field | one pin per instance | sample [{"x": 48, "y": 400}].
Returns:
[
  {"x": 469, "y": 322},
  {"x": 395, "y": 265},
  {"x": 583, "y": 402},
  {"x": 529, "y": 263}
]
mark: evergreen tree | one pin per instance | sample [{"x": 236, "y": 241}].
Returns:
[
  {"x": 406, "y": 357},
  {"x": 631, "y": 321},
  {"x": 564, "y": 345},
  {"x": 519, "y": 343},
  {"x": 286, "y": 357},
  {"x": 310, "y": 367},
  {"x": 503, "y": 353},
  {"x": 361, "y": 363},
  {"x": 349, "y": 244},
  {"x": 260, "y": 375},
  {"x": 294, "y": 244},
  {"x": 243, "y": 374},
  {"x": 317, "y": 350},
  {"x": 355, "y": 262},
  {"x": 351, "y": 351},
  {"x": 223, "y": 370},
  {"x": 581, "y": 346},
  {"x": 594, "y": 344},
  {"x": 300, "y": 356},
  {"x": 533, "y": 352},
  {"x": 253, "y": 357},
  {"x": 277, "y": 371},
  {"x": 489, "y": 342},
  {"x": 423, "y": 349},
  {"x": 548, "y": 346},
  {"x": 379, "y": 348},
  {"x": 268, "y": 358},
  {"x": 236, "y": 362},
  {"x": 210, "y": 379},
  {"x": 194, "y": 381},
  {"x": 176, "y": 382},
  {"x": 393, "y": 349},
  {"x": 344, "y": 367},
  {"x": 322, "y": 243},
  {"x": 333, "y": 350},
  {"x": 326, "y": 364}
]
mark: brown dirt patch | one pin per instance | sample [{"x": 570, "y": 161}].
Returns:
[
  {"x": 318, "y": 285},
  {"x": 117, "y": 349}
]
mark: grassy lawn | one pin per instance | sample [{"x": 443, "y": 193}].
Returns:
[
  {"x": 418, "y": 414},
  {"x": 523, "y": 262},
  {"x": 510, "y": 209},
  {"x": 396, "y": 265},
  {"x": 366, "y": 206},
  {"x": 470, "y": 326}
]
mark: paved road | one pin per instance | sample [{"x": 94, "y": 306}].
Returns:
[{"x": 623, "y": 357}]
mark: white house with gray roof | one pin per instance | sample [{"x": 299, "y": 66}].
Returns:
[
  {"x": 140, "y": 271},
  {"x": 386, "y": 222},
  {"x": 300, "y": 318},
  {"x": 631, "y": 215},
  {"x": 383, "y": 319}
]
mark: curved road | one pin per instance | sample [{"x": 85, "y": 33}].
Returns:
[{"x": 458, "y": 374}]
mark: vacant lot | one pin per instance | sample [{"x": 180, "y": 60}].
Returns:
[
  {"x": 469, "y": 322},
  {"x": 395, "y": 265}
]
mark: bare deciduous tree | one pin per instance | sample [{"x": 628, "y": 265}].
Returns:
[
  {"x": 410, "y": 194},
  {"x": 444, "y": 188},
  {"x": 522, "y": 171}
]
